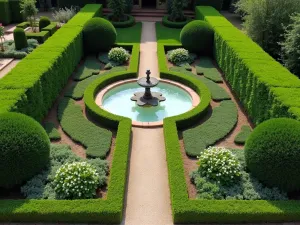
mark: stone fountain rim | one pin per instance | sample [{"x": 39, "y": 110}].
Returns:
[{"x": 194, "y": 96}]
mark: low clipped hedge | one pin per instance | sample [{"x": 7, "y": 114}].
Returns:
[
  {"x": 34, "y": 84},
  {"x": 128, "y": 23},
  {"x": 41, "y": 37},
  {"x": 5, "y": 14},
  {"x": 265, "y": 88},
  {"x": 166, "y": 22},
  {"x": 52, "y": 28}
]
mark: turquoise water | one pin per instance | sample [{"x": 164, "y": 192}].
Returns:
[{"x": 117, "y": 101}]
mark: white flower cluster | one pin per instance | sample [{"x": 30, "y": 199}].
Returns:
[
  {"x": 78, "y": 180},
  {"x": 178, "y": 56},
  {"x": 118, "y": 55},
  {"x": 219, "y": 164}
]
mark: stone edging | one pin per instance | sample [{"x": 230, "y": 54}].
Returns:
[
  {"x": 195, "y": 99},
  {"x": 8, "y": 61}
]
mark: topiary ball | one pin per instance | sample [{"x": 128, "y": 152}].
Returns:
[
  {"x": 197, "y": 37},
  {"x": 44, "y": 22},
  {"x": 98, "y": 35},
  {"x": 24, "y": 148},
  {"x": 272, "y": 153},
  {"x": 20, "y": 39}
]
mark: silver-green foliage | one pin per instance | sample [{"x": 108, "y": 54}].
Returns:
[
  {"x": 291, "y": 46},
  {"x": 265, "y": 21},
  {"x": 11, "y": 52},
  {"x": 41, "y": 186},
  {"x": 63, "y": 15}
]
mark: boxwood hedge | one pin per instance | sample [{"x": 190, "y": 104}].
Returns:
[{"x": 262, "y": 84}]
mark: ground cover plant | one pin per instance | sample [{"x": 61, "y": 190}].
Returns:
[
  {"x": 221, "y": 176},
  {"x": 90, "y": 67},
  {"x": 243, "y": 135},
  {"x": 52, "y": 131},
  {"x": 10, "y": 50},
  {"x": 80, "y": 129},
  {"x": 221, "y": 122},
  {"x": 42, "y": 186},
  {"x": 130, "y": 34},
  {"x": 205, "y": 67}
]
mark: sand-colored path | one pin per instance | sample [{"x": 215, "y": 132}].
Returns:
[{"x": 148, "y": 198}]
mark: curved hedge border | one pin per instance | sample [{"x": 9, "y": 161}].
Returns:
[
  {"x": 128, "y": 23},
  {"x": 185, "y": 210},
  {"x": 166, "y": 22}
]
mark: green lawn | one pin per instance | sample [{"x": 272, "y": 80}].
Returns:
[
  {"x": 129, "y": 34},
  {"x": 167, "y": 35}
]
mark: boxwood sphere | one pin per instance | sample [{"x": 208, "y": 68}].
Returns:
[
  {"x": 44, "y": 22},
  {"x": 98, "y": 35},
  {"x": 272, "y": 153},
  {"x": 197, "y": 37},
  {"x": 24, "y": 148}
]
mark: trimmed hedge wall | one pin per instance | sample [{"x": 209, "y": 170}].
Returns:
[
  {"x": 16, "y": 15},
  {"x": 265, "y": 88},
  {"x": 33, "y": 85},
  {"x": 5, "y": 14}
]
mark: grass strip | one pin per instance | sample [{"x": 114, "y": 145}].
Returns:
[
  {"x": 243, "y": 135},
  {"x": 96, "y": 139},
  {"x": 129, "y": 34},
  {"x": 167, "y": 34},
  {"x": 207, "y": 68},
  {"x": 90, "y": 67},
  {"x": 52, "y": 131},
  {"x": 221, "y": 123}
]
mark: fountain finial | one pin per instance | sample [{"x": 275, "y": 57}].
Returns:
[{"x": 148, "y": 72}]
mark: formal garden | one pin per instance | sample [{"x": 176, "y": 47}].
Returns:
[{"x": 226, "y": 100}]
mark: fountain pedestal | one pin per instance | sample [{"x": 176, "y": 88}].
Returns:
[{"x": 148, "y": 97}]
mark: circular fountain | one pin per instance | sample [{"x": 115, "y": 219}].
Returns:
[
  {"x": 165, "y": 98},
  {"x": 147, "y": 97}
]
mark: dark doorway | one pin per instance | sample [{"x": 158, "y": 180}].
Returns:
[{"x": 149, "y": 4}]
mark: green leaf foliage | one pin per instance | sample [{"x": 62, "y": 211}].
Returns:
[
  {"x": 90, "y": 67},
  {"x": 217, "y": 92},
  {"x": 206, "y": 67},
  {"x": 167, "y": 34},
  {"x": 243, "y": 135},
  {"x": 262, "y": 84},
  {"x": 24, "y": 148},
  {"x": 5, "y": 12},
  {"x": 221, "y": 122},
  {"x": 96, "y": 139},
  {"x": 130, "y": 34},
  {"x": 272, "y": 153},
  {"x": 52, "y": 131}
]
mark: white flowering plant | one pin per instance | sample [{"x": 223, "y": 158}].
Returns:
[
  {"x": 220, "y": 165},
  {"x": 118, "y": 55},
  {"x": 179, "y": 56},
  {"x": 77, "y": 180}
]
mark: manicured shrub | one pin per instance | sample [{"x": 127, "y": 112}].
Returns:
[
  {"x": 128, "y": 6},
  {"x": 20, "y": 38},
  {"x": 219, "y": 164},
  {"x": 98, "y": 35},
  {"x": 178, "y": 56},
  {"x": 77, "y": 180},
  {"x": 177, "y": 14},
  {"x": 24, "y": 148},
  {"x": 272, "y": 153},
  {"x": 197, "y": 37},
  {"x": 118, "y": 10},
  {"x": 118, "y": 55},
  {"x": 44, "y": 22}
]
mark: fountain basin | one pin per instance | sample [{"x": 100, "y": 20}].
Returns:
[{"x": 115, "y": 98}]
